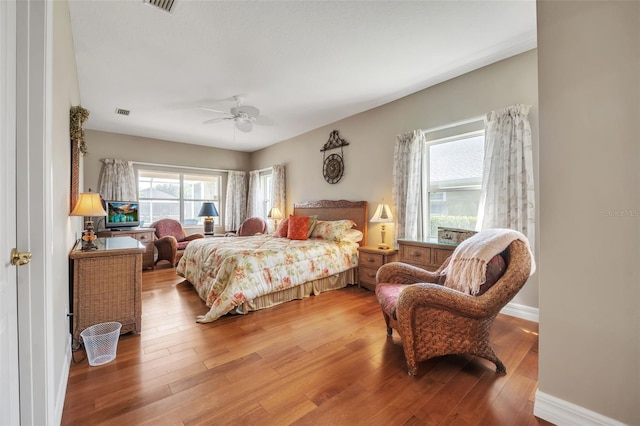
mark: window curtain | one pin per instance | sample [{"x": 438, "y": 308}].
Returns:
[
  {"x": 255, "y": 204},
  {"x": 278, "y": 190},
  {"x": 507, "y": 199},
  {"x": 407, "y": 186},
  {"x": 236, "y": 200},
  {"x": 118, "y": 180}
]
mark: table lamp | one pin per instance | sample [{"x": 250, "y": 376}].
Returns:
[
  {"x": 89, "y": 204},
  {"x": 208, "y": 211},
  {"x": 382, "y": 216},
  {"x": 276, "y": 215}
]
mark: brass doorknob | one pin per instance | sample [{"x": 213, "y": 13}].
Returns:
[{"x": 20, "y": 258}]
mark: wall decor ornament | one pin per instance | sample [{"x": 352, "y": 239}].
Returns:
[
  {"x": 333, "y": 165},
  {"x": 77, "y": 117}
]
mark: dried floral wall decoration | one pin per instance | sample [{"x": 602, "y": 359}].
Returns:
[{"x": 77, "y": 117}]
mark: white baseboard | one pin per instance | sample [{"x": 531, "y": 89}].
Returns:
[
  {"x": 560, "y": 412},
  {"x": 521, "y": 311},
  {"x": 64, "y": 379}
]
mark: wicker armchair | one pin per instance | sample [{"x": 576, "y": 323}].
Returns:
[
  {"x": 433, "y": 320},
  {"x": 171, "y": 240}
]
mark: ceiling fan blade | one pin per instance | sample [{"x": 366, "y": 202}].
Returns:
[
  {"x": 244, "y": 126},
  {"x": 214, "y": 110},
  {"x": 215, "y": 120}
]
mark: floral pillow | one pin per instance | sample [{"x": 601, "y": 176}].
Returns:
[
  {"x": 298, "y": 227},
  {"x": 333, "y": 230}
]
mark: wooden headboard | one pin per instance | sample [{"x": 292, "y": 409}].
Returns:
[{"x": 337, "y": 210}]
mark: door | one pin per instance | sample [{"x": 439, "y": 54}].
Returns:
[{"x": 9, "y": 378}]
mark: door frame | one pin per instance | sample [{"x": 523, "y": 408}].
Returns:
[
  {"x": 10, "y": 379},
  {"x": 34, "y": 225}
]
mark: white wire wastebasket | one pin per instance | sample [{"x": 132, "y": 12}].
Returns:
[{"x": 101, "y": 342}]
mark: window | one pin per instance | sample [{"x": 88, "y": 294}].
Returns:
[
  {"x": 453, "y": 179},
  {"x": 177, "y": 194},
  {"x": 266, "y": 187}
]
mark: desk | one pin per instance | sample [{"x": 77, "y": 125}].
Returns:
[{"x": 106, "y": 284}]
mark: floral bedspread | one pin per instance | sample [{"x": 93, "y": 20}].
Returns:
[{"x": 228, "y": 271}]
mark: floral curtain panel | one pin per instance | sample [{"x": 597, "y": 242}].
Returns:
[
  {"x": 236, "y": 200},
  {"x": 507, "y": 199},
  {"x": 118, "y": 180},
  {"x": 407, "y": 186},
  {"x": 278, "y": 191}
]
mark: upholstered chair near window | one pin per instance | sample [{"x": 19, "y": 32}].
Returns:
[
  {"x": 252, "y": 226},
  {"x": 171, "y": 240},
  {"x": 435, "y": 317}
]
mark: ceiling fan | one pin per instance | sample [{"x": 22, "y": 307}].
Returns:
[{"x": 243, "y": 116}]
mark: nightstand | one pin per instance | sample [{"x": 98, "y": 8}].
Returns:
[{"x": 371, "y": 258}]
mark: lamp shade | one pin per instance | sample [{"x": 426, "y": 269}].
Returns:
[
  {"x": 275, "y": 213},
  {"x": 89, "y": 204},
  {"x": 208, "y": 209},
  {"x": 382, "y": 214}
]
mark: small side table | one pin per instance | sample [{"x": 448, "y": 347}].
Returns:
[{"x": 372, "y": 258}]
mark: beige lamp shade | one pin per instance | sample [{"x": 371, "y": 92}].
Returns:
[
  {"x": 89, "y": 204},
  {"x": 382, "y": 214},
  {"x": 275, "y": 213}
]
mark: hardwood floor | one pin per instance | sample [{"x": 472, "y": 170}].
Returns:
[{"x": 324, "y": 360}]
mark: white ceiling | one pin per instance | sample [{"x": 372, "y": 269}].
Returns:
[{"x": 304, "y": 64}]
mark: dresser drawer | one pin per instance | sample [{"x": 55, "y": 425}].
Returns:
[
  {"x": 367, "y": 277},
  {"x": 415, "y": 254},
  {"x": 144, "y": 237},
  {"x": 438, "y": 256},
  {"x": 372, "y": 260}
]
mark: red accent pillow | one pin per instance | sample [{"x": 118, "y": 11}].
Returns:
[
  {"x": 298, "y": 227},
  {"x": 282, "y": 229}
]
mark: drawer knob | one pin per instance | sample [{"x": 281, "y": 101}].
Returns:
[
  {"x": 416, "y": 254},
  {"x": 371, "y": 260}
]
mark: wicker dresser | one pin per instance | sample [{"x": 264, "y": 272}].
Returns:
[
  {"x": 428, "y": 254},
  {"x": 106, "y": 284}
]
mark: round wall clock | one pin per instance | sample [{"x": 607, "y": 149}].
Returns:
[{"x": 333, "y": 168}]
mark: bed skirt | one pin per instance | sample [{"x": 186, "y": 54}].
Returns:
[{"x": 316, "y": 287}]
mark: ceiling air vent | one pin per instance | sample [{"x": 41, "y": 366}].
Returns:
[
  {"x": 122, "y": 111},
  {"x": 166, "y": 5}
]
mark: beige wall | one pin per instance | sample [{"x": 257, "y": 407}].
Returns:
[
  {"x": 112, "y": 145},
  {"x": 372, "y": 134},
  {"x": 589, "y": 90},
  {"x": 65, "y": 93}
]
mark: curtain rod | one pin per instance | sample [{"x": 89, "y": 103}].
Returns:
[
  {"x": 141, "y": 163},
  {"x": 457, "y": 123}
]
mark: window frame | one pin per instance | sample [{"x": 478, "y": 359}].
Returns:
[
  {"x": 448, "y": 135},
  {"x": 189, "y": 172}
]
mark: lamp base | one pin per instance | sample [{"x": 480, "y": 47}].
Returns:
[
  {"x": 88, "y": 236},
  {"x": 208, "y": 226},
  {"x": 383, "y": 247}
]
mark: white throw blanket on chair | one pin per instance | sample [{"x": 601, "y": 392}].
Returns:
[{"x": 467, "y": 269}]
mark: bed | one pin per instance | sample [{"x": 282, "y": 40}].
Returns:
[{"x": 243, "y": 274}]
